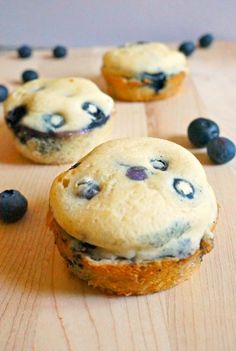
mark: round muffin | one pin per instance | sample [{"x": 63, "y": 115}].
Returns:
[
  {"x": 134, "y": 216},
  {"x": 143, "y": 71},
  {"x": 58, "y": 121}
]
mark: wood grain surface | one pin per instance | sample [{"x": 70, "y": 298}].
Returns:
[{"x": 43, "y": 307}]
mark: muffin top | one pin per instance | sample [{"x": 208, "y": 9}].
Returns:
[
  {"x": 141, "y": 197},
  {"x": 58, "y": 106},
  {"x": 134, "y": 59}
]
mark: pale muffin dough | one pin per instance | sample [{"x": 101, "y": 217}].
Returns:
[
  {"x": 133, "y": 59},
  {"x": 58, "y": 120},
  {"x": 60, "y": 97},
  {"x": 141, "y": 198}
]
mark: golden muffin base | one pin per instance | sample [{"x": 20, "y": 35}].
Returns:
[
  {"x": 64, "y": 150},
  {"x": 124, "y": 89},
  {"x": 128, "y": 278}
]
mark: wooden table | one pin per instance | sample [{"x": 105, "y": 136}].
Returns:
[{"x": 43, "y": 307}]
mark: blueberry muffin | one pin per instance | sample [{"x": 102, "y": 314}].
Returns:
[
  {"x": 58, "y": 120},
  {"x": 143, "y": 71},
  {"x": 134, "y": 216}
]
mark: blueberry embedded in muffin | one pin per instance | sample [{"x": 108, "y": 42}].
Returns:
[
  {"x": 134, "y": 216},
  {"x": 143, "y": 72},
  {"x": 58, "y": 120}
]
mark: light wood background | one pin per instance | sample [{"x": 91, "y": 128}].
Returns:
[{"x": 43, "y": 307}]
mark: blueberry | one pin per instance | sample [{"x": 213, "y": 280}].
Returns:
[
  {"x": 87, "y": 247},
  {"x": 24, "y": 51},
  {"x": 29, "y": 75},
  {"x": 187, "y": 48},
  {"x": 155, "y": 80},
  {"x": 59, "y": 51},
  {"x": 3, "y": 93},
  {"x": 137, "y": 173},
  {"x": 98, "y": 116},
  {"x": 184, "y": 188},
  {"x": 88, "y": 189},
  {"x": 14, "y": 116},
  {"x": 54, "y": 121},
  {"x": 159, "y": 164},
  {"x": 221, "y": 150},
  {"x": 206, "y": 40},
  {"x": 13, "y": 206},
  {"x": 201, "y": 131}
]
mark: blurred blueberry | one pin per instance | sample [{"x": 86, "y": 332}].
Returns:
[
  {"x": 29, "y": 75},
  {"x": 3, "y": 93},
  {"x": 59, "y": 51},
  {"x": 221, "y": 150},
  {"x": 187, "y": 48},
  {"x": 24, "y": 51},
  {"x": 201, "y": 131},
  {"x": 206, "y": 40}
]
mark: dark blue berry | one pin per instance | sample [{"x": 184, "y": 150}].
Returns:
[
  {"x": 137, "y": 173},
  {"x": 87, "y": 247},
  {"x": 159, "y": 164},
  {"x": 53, "y": 121},
  {"x": 13, "y": 206},
  {"x": 3, "y": 93},
  {"x": 221, "y": 150},
  {"x": 24, "y": 51},
  {"x": 206, "y": 40},
  {"x": 29, "y": 75},
  {"x": 201, "y": 131},
  {"x": 88, "y": 189},
  {"x": 187, "y": 48},
  {"x": 155, "y": 80},
  {"x": 184, "y": 188},
  {"x": 14, "y": 116},
  {"x": 97, "y": 115},
  {"x": 59, "y": 51}
]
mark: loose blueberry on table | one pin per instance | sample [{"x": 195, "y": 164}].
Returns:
[
  {"x": 60, "y": 51},
  {"x": 206, "y": 40},
  {"x": 187, "y": 48},
  {"x": 221, "y": 150},
  {"x": 3, "y": 93},
  {"x": 201, "y": 131},
  {"x": 29, "y": 75},
  {"x": 24, "y": 51},
  {"x": 13, "y": 206}
]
